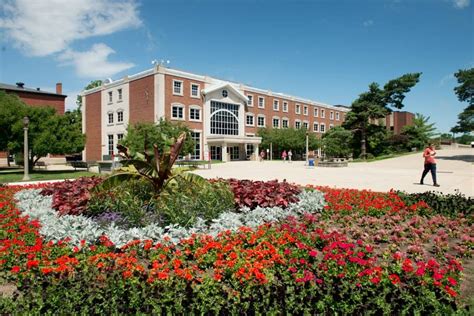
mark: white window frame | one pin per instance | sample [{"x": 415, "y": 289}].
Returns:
[
  {"x": 338, "y": 118},
  {"x": 276, "y": 105},
  {"x": 316, "y": 112},
  {"x": 297, "y": 108},
  {"x": 276, "y": 118},
  {"x": 305, "y": 122},
  {"x": 297, "y": 121},
  {"x": 118, "y": 138},
  {"x": 331, "y": 115},
  {"x": 263, "y": 102},
  {"x": 287, "y": 120},
  {"x": 284, "y": 106},
  {"x": 120, "y": 95},
  {"x": 331, "y": 126},
  {"x": 191, "y": 90},
  {"x": 323, "y": 113},
  {"x": 315, "y": 124},
  {"x": 110, "y": 115},
  {"x": 118, "y": 116},
  {"x": 250, "y": 102},
  {"x": 264, "y": 120},
  {"x": 195, "y": 107},
  {"x": 179, "y": 105},
  {"x": 110, "y": 94},
  {"x": 182, "y": 87},
  {"x": 322, "y": 128},
  {"x": 305, "y": 110},
  {"x": 253, "y": 119}
]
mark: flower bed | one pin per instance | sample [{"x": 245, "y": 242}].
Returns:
[{"x": 364, "y": 252}]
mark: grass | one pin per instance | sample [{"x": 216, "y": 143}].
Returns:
[
  {"x": 382, "y": 157},
  {"x": 16, "y": 175}
]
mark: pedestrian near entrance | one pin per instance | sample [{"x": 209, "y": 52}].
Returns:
[
  {"x": 262, "y": 155},
  {"x": 283, "y": 155},
  {"x": 430, "y": 164},
  {"x": 290, "y": 154}
]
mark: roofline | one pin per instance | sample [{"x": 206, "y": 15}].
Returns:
[
  {"x": 207, "y": 79},
  {"x": 34, "y": 92}
]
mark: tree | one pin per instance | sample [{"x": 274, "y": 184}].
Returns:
[
  {"x": 288, "y": 138},
  {"x": 91, "y": 85},
  {"x": 376, "y": 104},
  {"x": 12, "y": 110},
  {"x": 337, "y": 143},
  {"x": 162, "y": 134},
  {"x": 465, "y": 92},
  {"x": 420, "y": 133}
]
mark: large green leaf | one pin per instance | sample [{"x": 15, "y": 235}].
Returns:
[{"x": 116, "y": 179}]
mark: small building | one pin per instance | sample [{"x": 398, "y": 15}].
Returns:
[{"x": 397, "y": 120}]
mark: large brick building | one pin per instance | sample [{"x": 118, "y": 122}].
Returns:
[{"x": 224, "y": 116}]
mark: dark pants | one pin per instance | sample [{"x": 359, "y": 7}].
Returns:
[{"x": 429, "y": 167}]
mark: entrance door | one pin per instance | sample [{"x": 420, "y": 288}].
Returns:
[
  {"x": 216, "y": 152},
  {"x": 234, "y": 152}
]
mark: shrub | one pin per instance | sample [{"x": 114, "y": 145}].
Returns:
[
  {"x": 264, "y": 194},
  {"x": 183, "y": 207}
]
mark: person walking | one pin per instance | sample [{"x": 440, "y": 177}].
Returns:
[
  {"x": 430, "y": 164},
  {"x": 290, "y": 154},
  {"x": 283, "y": 155},
  {"x": 262, "y": 155}
]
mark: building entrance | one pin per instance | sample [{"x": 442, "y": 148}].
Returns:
[
  {"x": 234, "y": 152},
  {"x": 216, "y": 153}
]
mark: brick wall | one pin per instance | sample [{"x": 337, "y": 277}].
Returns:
[
  {"x": 32, "y": 99},
  {"x": 142, "y": 96},
  {"x": 93, "y": 127}
]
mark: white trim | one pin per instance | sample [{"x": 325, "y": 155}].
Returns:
[
  {"x": 297, "y": 121},
  {"x": 182, "y": 87},
  {"x": 276, "y": 105},
  {"x": 263, "y": 104},
  {"x": 253, "y": 118},
  {"x": 276, "y": 118},
  {"x": 316, "y": 112},
  {"x": 283, "y": 106},
  {"x": 264, "y": 120},
  {"x": 228, "y": 86},
  {"x": 191, "y": 90},
  {"x": 251, "y": 103},
  {"x": 195, "y": 107},
  {"x": 305, "y": 110},
  {"x": 159, "y": 85},
  {"x": 322, "y": 112},
  {"x": 331, "y": 126},
  {"x": 179, "y": 105},
  {"x": 317, "y": 125}
]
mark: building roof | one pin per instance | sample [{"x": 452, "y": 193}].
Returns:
[{"x": 9, "y": 87}]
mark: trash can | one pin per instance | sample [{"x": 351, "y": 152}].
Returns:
[{"x": 311, "y": 162}]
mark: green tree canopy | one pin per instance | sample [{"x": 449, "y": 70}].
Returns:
[
  {"x": 465, "y": 93},
  {"x": 163, "y": 134},
  {"x": 420, "y": 133},
  {"x": 288, "y": 139},
  {"x": 337, "y": 143},
  {"x": 376, "y": 104},
  {"x": 12, "y": 110}
]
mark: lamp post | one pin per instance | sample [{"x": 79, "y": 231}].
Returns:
[
  {"x": 26, "y": 122},
  {"x": 307, "y": 160}
]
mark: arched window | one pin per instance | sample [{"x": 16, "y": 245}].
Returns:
[{"x": 224, "y": 118}]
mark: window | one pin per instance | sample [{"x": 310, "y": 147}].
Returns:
[
  {"x": 119, "y": 138},
  {"x": 177, "y": 87},
  {"x": 315, "y": 126},
  {"x": 177, "y": 112},
  {"x": 284, "y": 123},
  {"x": 276, "y": 105},
  {"x": 276, "y": 122},
  {"x": 337, "y": 116},
  {"x": 331, "y": 126},
  {"x": 119, "y": 91},
  {"x": 261, "y": 121},
  {"x": 110, "y": 96},
  {"x": 285, "y": 106},
  {"x": 249, "y": 120},
  {"x": 323, "y": 113},
  {"x": 261, "y": 102},
  {"x": 119, "y": 116},
  {"x": 331, "y": 115},
  {"x": 298, "y": 109},
  {"x": 305, "y": 125},
  {"x": 224, "y": 118},
  {"x": 111, "y": 118},
  {"x": 250, "y": 100},
  {"x": 196, "y": 154},
  {"x": 297, "y": 124},
  {"x": 305, "y": 110},
  {"x": 322, "y": 128},
  {"x": 315, "y": 112},
  {"x": 110, "y": 144},
  {"x": 195, "y": 90},
  {"x": 194, "y": 113}
]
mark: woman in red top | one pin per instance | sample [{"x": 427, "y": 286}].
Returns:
[{"x": 430, "y": 164}]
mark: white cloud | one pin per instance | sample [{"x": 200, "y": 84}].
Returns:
[
  {"x": 368, "y": 23},
  {"x": 94, "y": 63},
  {"x": 461, "y": 4},
  {"x": 44, "y": 27},
  {"x": 71, "y": 99}
]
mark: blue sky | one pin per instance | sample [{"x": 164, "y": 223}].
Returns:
[{"x": 328, "y": 51}]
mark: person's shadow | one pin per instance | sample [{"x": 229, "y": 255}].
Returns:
[{"x": 466, "y": 158}]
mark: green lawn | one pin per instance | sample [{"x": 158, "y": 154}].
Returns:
[
  {"x": 16, "y": 175},
  {"x": 386, "y": 156}
]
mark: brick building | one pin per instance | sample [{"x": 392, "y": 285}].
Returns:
[
  {"x": 224, "y": 116},
  {"x": 397, "y": 120}
]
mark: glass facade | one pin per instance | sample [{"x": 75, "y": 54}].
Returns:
[
  {"x": 224, "y": 118},
  {"x": 196, "y": 154}
]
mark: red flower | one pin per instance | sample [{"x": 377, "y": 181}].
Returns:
[
  {"x": 394, "y": 278},
  {"x": 32, "y": 264},
  {"x": 313, "y": 253},
  {"x": 452, "y": 281},
  {"x": 15, "y": 269}
]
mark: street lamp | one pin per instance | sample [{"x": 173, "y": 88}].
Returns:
[
  {"x": 307, "y": 159},
  {"x": 26, "y": 122}
]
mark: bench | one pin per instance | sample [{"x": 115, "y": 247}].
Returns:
[
  {"x": 41, "y": 164},
  {"x": 105, "y": 166},
  {"x": 192, "y": 163},
  {"x": 82, "y": 164}
]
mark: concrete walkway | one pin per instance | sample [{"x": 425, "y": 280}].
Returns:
[{"x": 455, "y": 172}]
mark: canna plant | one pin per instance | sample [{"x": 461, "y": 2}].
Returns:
[{"x": 155, "y": 168}]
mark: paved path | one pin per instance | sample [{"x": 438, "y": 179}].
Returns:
[{"x": 455, "y": 172}]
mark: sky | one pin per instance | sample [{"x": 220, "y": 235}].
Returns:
[{"x": 323, "y": 50}]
